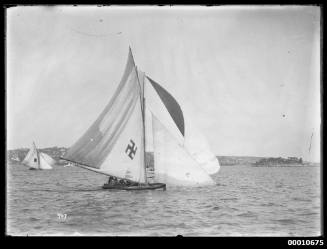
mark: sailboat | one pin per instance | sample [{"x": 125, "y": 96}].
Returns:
[
  {"x": 38, "y": 160},
  {"x": 115, "y": 144}
]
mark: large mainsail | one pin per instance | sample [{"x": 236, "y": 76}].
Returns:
[{"x": 114, "y": 143}]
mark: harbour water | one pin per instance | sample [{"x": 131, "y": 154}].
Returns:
[{"x": 246, "y": 201}]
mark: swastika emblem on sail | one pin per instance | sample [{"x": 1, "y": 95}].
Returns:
[{"x": 131, "y": 149}]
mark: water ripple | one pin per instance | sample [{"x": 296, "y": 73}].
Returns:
[{"x": 246, "y": 201}]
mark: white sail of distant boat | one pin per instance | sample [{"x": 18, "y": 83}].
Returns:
[
  {"x": 115, "y": 143},
  {"x": 38, "y": 160}
]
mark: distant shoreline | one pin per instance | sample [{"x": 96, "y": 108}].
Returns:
[
  {"x": 17, "y": 155},
  {"x": 288, "y": 165}
]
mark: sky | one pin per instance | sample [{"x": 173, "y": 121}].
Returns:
[{"x": 248, "y": 75}]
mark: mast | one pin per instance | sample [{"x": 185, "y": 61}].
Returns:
[
  {"x": 38, "y": 156},
  {"x": 144, "y": 140},
  {"x": 143, "y": 122},
  {"x": 143, "y": 116}
]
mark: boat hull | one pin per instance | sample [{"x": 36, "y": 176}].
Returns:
[
  {"x": 150, "y": 186},
  {"x": 32, "y": 169}
]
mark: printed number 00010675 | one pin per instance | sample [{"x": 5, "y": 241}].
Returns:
[{"x": 307, "y": 242}]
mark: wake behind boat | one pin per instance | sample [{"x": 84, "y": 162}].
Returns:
[{"x": 115, "y": 144}]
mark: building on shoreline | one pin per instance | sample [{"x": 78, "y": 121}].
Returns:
[{"x": 271, "y": 161}]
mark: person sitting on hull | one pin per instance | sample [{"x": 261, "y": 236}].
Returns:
[
  {"x": 118, "y": 181},
  {"x": 110, "y": 180},
  {"x": 123, "y": 182}
]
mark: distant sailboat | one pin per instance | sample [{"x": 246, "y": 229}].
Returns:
[
  {"x": 115, "y": 143},
  {"x": 38, "y": 160}
]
